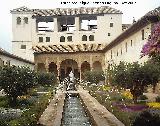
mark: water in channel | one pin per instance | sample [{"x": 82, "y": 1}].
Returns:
[{"x": 74, "y": 113}]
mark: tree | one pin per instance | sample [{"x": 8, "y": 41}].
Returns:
[
  {"x": 47, "y": 79},
  {"x": 16, "y": 81},
  {"x": 119, "y": 74},
  {"x": 135, "y": 77},
  {"x": 152, "y": 46}
]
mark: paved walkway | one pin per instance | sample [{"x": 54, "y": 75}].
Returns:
[
  {"x": 53, "y": 113},
  {"x": 101, "y": 116}
]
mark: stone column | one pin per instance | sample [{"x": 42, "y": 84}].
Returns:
[
  {"x": 80, "y": 74},
  {"x": 77, "y": 23},
  {"x": 91, "y": 62},
  {"x": 55, "y": 24},
  {"x": 58, "y": 70}
]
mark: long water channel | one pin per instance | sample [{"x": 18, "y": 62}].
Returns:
[{"x": 74, "y": 113}]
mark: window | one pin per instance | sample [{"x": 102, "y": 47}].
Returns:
[
  {"x": 84, "y": 38},
  {"x": 111, "y": 24},
  {"x": 131, "y": 43},
  {"x": 126, "y": 46},
  {"x": 69, "y": 38},
  {"x": 47, "y": 39},
  {"x": 40, "y": 39},
  {"x": 91, "y": 38},
  {"x": 62, "y": 39},
  {"x": 111, "y": 54},
  {"x": 143, "y": 34},
  {"x": 26, "y": 20},
  {"x": 109, "y": 34},
  {"x": 23, "y": 46},
  {"x": 18, "y": 20},
  {"x": 1, "y": 62},
  {"x": 117, "y": 52},
  {"x": 8, "y": 63},
  {"x": 121, "y": 51}
]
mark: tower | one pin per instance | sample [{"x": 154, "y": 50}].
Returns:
[{"x": 22, "y": 33}]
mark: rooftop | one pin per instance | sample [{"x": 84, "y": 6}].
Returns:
[
  {"x": 68, "y": 11},
  {"x": 3, "y": 52}
]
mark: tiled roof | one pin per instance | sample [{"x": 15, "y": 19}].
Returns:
[
  {"x": 150, "y": 17},
  {"x": 69, "y": 11},
  {"x": 68, "y": 48},
  {"x": 3, "y": 52}
]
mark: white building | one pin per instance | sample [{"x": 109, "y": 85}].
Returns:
[
  {"x": 69, "y": 26},
  {"x": 79, "y": 39},
  {"x": 7, "y": 58},
  {"x": 128, "y": 45}
]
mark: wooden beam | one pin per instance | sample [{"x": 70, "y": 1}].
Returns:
[
  {"x": 98, "y": 47},
  {"x": 78, "y": 47},
  {"x": 59, "y": 50},
  {"x": 85, "y": 47},
  {"x": 46, "y": 48},
  {"x": 54, "y": 50},
  {"x": 64, "y": 48},
  {"x": 91, "y": 47},
  {"x": 39, "y": 48},
  {"x": 71, "y": 48}
]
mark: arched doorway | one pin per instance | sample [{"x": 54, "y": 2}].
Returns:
[
  {"x": 85, "y": 66},
  {"x": 41, "y": 67},
  {"x": 53, "y": 68},
  {"x": 67, "y": 66},
  {"x": 97, "y": 66}
]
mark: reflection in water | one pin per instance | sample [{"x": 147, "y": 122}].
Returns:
[{"x": 74, "y": 114}]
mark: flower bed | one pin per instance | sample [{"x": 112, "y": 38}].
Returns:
[
  {"x": 154, "y": 105},
  {"x": 130, "y": 108}
]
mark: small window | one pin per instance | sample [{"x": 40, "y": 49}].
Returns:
[
  {"x": 109, "y": 34},
  {"x": 143, "y": 34},
  {"x": 69, "y": 38},
  {"x": 121, "y": 51},
  {"x": 26, "y": 20},
  {"x": 84, "y": 38},
  {"x": 18, "y": 20},
  {"x": 8, "y": 63},
  {"x": 111, "y": 54},
  {"x": 117, "y": 52},
  {"x": 62, "y": 39},
  {"x": 47, "y": 39},
  {"x": 40, "y": 39},
  {"x": 131, "y": 43},
  {"x": 111, "y": 24},
  {"x": 1, "y": 62},
  {"x": 91, "y": 38},
  {"x": 126, "y": 46},
  {"x": 23, "y": 46}
]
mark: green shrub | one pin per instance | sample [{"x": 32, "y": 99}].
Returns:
[
  {"x": 94, "y": 76},
  {"x": 146, "y": 118},
  {"x": 4, "y": 101},
  {"x": 47, "y": 79},
  {"x": 158, "y": 99},
  {"x": 16, "y": 81},
  {"x": 118, "y": 98},
  {"x": 31, "y": 116}
]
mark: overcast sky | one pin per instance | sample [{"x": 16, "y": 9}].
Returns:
[{"x": 137, "y": 10}]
